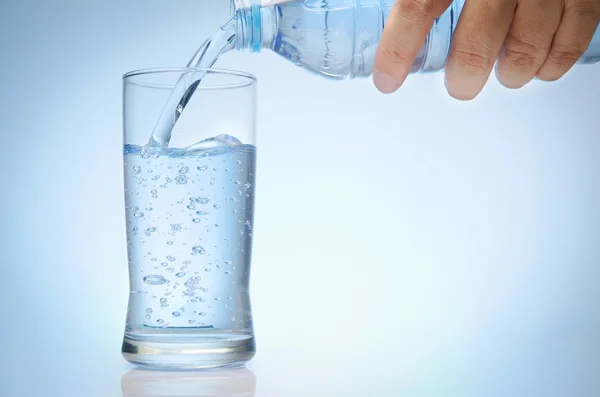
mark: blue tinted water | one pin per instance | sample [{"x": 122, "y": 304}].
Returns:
[{"x": 190, "y": 215}]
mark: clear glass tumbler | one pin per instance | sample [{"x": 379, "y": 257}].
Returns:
[{"x": 189, "y": 211}]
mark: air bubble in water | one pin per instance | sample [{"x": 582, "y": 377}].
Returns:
[
  {"x": 164, "y": 264},
  {"x": 202, "y": 168},
  {"x": 148, "y": 310},
  {"x": 216, "y": 206},
  {"x": 198, "y": 249},
  {"x": 191, "y": 321},
  {"x": 180, "y": 274},
  {"x": 191, "y": 207},
  {"x": 183, "y": 170},
  {"x": 163, "y": 300},
  {"x": 154, "y": 280},
  {"x": 202, "y": 314},
  {"x": 181, "y": 179},
  {"x": 160, "y": 321},
  {"x": 148, "y": 317},
  {"x": 228, "y": 262},
  {"x": 169, "y": 243},
  {"x": 171, "y": 258},
  {"x": 175, "y": 227},
  {"x": 176, "y": 314},
  {"x": 232, "y": 318},
  {"x": 137, "y": 169},
  {"x": 247, "y": 186},
  {"x": 200, "y": 200},
  {"x": 201, "y": 213},
  {"x": 138, "y": 214},
  {"x": 196, "y": 220}
]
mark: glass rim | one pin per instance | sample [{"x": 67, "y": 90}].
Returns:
[{"x": 247, "y": 78}]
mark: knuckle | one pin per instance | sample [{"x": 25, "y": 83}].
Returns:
[
  {"x": 520, "y": 59},
  {"x": 415, "y": 10},
  {"x": 583, "y": 8},
  {"x": 520, "y": 52},
  {"x": 472, "y": 55},
  {"x": 565, "y": 55}
]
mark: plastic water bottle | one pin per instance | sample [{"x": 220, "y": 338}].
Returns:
[{"x": 339, "y": 38}]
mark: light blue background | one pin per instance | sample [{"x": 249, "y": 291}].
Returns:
[{"x": 441, "y": 248}]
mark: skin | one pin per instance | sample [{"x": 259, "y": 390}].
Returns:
[{"x": 528, "y": 38}]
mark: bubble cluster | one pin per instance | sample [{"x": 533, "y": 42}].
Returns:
[{"x": 191, "y": 214}]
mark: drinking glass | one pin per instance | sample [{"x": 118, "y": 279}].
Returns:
[{"x": 190, "y": 218}]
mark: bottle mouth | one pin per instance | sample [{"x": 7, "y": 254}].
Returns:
[
  {"x": 236, "y": 5},
  {"x": 248, "y": 17}
]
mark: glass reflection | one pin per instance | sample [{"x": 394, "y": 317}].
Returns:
[{"x": 213, "y": 383}]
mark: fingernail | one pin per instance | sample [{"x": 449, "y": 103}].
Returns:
[{"x": 385, "y": 83}]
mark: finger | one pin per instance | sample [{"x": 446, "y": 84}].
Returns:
[
  {"x": 528, "y": 42},
  {"x": 405, "y": 31},
  {"x": 577, "y": 26},
  {"x": 476, "y": 43}
]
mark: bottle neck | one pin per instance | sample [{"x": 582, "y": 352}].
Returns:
[{"x": 256, "y": 27}]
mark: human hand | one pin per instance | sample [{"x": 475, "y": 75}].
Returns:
[{"x": 528, "y": 38}]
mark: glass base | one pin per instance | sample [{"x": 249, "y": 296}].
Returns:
[{"x": 176, "y": 353}]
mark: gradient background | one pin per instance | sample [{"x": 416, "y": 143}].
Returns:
[{"x": 404, "y": 245}]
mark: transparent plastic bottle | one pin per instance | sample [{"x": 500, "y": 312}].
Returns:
[{"x": 339, "y": 38}]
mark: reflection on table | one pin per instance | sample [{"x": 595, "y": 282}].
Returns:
[{"x": 213, "y": 383}]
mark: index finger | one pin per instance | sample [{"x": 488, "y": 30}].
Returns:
[{"x": 405, "y": 31}]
